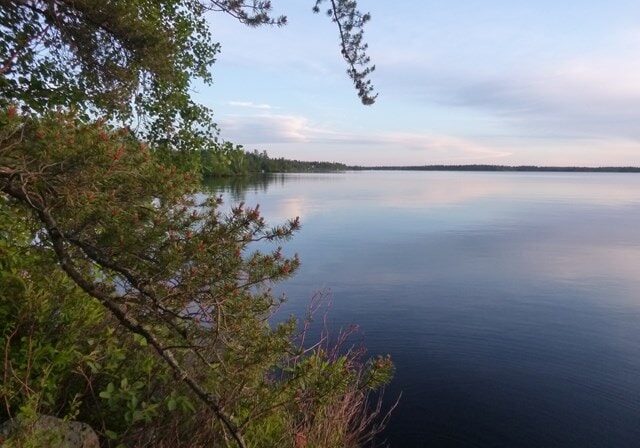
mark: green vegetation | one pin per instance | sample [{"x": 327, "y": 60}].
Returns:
[
  {"x": 134, "y": 286},
  {"x": 232, "y": 160},
  {"x": 124, "y": 302}
]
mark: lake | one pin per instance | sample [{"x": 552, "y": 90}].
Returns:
[{"x": 509, "y": 302}]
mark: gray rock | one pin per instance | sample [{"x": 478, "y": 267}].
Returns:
[{"x": 50, "y": 432}]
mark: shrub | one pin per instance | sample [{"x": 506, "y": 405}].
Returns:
[{"x": 131, "y": 304}]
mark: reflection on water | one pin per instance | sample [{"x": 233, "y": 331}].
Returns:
[
  {"x": 510, "y": 302},
  {"x": 236, "y": 187}
]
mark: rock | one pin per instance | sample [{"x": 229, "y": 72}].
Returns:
[{"x": 50, "y": 432}]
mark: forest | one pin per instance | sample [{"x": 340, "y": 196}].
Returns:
[{"x": 230, "y": 160}]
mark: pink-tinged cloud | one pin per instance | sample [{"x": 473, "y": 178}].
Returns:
[{"x": 269, "y": 131}]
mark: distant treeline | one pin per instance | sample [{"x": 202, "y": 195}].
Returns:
[
  {"x": 564, "y": 169},
  {"x": 230, "y": 160}
]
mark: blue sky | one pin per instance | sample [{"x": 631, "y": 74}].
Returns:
[{"x": 460, "y": 81}]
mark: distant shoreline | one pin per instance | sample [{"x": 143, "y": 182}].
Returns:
[{"x": 521, "y": 168}]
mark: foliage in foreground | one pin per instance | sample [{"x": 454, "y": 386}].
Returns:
[
  {"x": 125, "y": 303},
  {"x": 129, "y": 304}
]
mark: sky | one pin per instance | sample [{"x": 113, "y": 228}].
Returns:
[{"x": 460, "y": 81}]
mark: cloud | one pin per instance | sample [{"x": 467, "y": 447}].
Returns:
[
  {"x": 576, "y": 100},
  {"x": 444, "y": 147},
  {"x": 265, "y": 130},
  {"x": 250, "y": 105},
  {"x": 300, "y": 137},
  {"x": 560, "y": 105},
  {"x": 588, "y": 95}
]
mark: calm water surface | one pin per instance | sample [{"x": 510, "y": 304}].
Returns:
[{"x": 510, "y": 302}]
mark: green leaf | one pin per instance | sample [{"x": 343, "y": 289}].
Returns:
[
  {"x": 111, "y": 434},
  {"x": 104, "y": 394}
]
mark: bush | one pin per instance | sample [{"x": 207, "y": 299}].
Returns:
[{"x": 129, "y": 305}]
